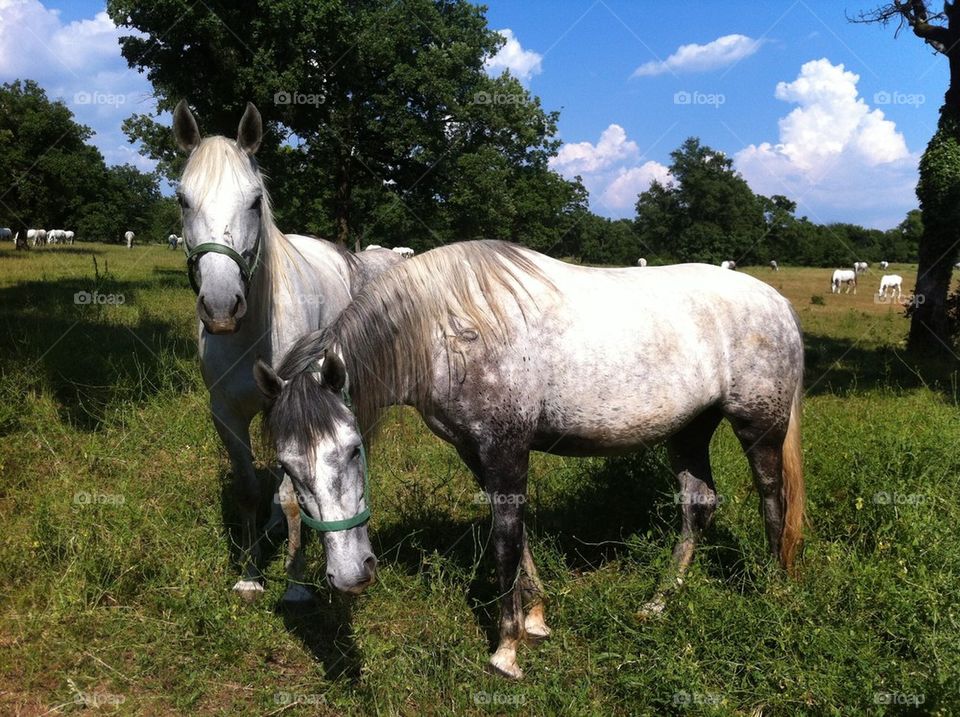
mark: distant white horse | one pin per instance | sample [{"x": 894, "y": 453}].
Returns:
[
  {"x": 843, "y": 276},
  {"x": 404, "y": 251},
  {"x": 56, "y": 236},
  {"x": 172, "y": 241},
  {"x": 373, "y": 246},
  {"x": 860, "y": 266},
  {"x": 129, "y": 236},
  {"x": 37, "y": 237},
  {"x": 69, "y": 236},
  {"x": 729, "y": 264},
  {"x": 884, "y": 265},
  {"x": 5, "y": 233},
  {"x": 641, "y": 261},
  {"x": 774, "y": 265},
  {"x": 891, "y": 282}
]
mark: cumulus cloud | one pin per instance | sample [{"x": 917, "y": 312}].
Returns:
[
  {"x": 621, "y": 192},
  {"x": 721, "y": 52},
  {"x": 584, "y": 157},
  {"x": 835, "y": 153},
  {"x": 609, "y": 169},
  {"x": 523, "y": 64},
  {"x": 80, "y": 63}
]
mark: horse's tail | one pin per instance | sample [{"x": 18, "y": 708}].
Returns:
[{"x": 794, "y": 493}]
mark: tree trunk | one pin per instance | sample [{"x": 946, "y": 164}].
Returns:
[
  {"x": 939, "y": 193},
  {"x": 929, "y": 333},
  {"x": 341, "y": 207}
]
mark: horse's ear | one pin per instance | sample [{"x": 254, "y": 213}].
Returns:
[
  {"x": 250, "y": 131},
  {"x": 333, "y": 373},
  {"x": 185, "y": 127},
  {"x": 269, "y": 383}
]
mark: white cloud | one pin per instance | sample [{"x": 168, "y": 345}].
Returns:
[
  {"x": 837, "y": 157},
  {"x": 584, "y": 157},
  {"x": 609, "y": 170},
  {"x": 621, "y": 193},
  {"x": 80, "y": 63},
  {"x": 721, "y": 52},
  {"x": 523, "y": 64}
]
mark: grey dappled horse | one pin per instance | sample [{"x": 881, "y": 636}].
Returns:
[{"x": 502, "y": 351}]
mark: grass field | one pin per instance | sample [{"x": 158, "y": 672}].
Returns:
[{"x": 116, "y": 570}]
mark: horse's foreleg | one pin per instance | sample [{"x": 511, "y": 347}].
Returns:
[
  {"x": 534, "y": 624},
  {"x": 296, "y": 591},
  {"x": 690, "y": 460},
  {"x": 234, "y": 430},
  {"x": 505, "y": 480}
]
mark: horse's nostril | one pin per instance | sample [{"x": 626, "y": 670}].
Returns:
[
  {"x": 203, "y": 305},
  {"x": 371, "y": 565}
]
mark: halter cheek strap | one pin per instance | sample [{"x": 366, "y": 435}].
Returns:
[
  {"x": 247, "y": 270},
  {"x": 333, "y": 526}
]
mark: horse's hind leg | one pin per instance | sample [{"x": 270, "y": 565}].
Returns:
[
  {"x": 689, "y": 452},
  {"x": 534, "y": 623},
  {"x": 762, "y": 441}
]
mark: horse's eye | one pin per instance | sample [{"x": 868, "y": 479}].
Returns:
[
  {"x": 255, "y": 206},
  {"x": 182, "y": 200}
]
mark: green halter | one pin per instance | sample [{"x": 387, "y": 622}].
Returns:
[
  {"x": 246, "y": 270},
  {"x": 333, "y": 526}
]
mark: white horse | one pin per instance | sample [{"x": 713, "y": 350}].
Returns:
[
  {"x": 373, "y": 246},
  {"x": 884, "y": 265},
  {"x": 892, "y": 283},
  {"x": 641, "y": 261},
  {"x": 774, "y": 265},
  {"x": 504, "y": 351},
  {"x": 5, "y": 233},
  {"x": 129, "y": 237},
  {"x": 729, "y": 264},
  {"x": 69, "y": 236},
  {"x": 860, "y": 266},
  {"x": 257, "y": 290},
  {"x": 172, "y": 241},
  {"x": 843, "y": 276},
  {"x": 404, "y": 251},
  {"x": 37, "y": 237}
]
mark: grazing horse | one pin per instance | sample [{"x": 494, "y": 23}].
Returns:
[
  {"x": 373, "y": 246},
  {"x": 891, "y": 282},
  {"x": 774, "y": 265},
  {"x": 843, "y": 276},
  {"x": 641, "y": 261},
  {"x": 172, "y": 241},
  {"x": 404, "y": 251},
  {"x": 69, "y": 236},
  {"x": 729, "y": 264},
  {"x": 257, "y": 290},
  {"x": 884, "y": 265},
  {"x": 5, "y": 233},
  {"x": 37, "y": 237},
  {"x": 129, "y": 237},
  {"x": 502, "y": 351},
  {"x": 860, "y": 267}
]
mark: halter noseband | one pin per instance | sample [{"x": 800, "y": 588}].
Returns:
[
  {"x": 333, "y": 526},
  {"x": 247, "y": 270}
]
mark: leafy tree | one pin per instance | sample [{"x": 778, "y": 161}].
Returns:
[
  {"x": 706, "y": 213},
  {"x": 381, "y": 122}
]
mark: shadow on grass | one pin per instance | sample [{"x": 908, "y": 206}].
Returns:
[
  {"x": 840, "y": 367},
  {"x": 57, "y": 336}
]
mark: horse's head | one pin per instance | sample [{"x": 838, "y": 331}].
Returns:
[
  {"x": 223, "y": 200},
  {"x": 320, "y": 448}
]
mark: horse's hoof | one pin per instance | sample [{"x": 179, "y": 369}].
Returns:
[
  {"x": 505, "y": 665},
  {"x": 652, "y": 609},
  {"x": 297, "y": 594},
  {"x": 249, "y": 590},
  {"x": 537, "y": 631}
]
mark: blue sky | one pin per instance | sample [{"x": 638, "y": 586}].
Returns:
[{"x": 762, "y": 82}]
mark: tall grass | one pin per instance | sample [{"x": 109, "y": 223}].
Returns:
[{"x": 116, "y": 570}]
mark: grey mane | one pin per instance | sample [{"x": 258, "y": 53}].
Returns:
[{"x": 387, "y": 335}]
